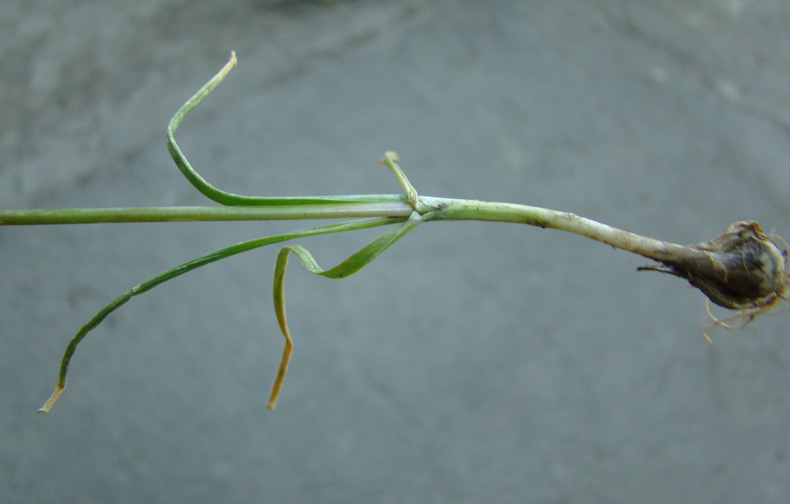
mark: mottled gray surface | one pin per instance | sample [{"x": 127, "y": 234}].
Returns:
[{"x": 472, "y": 362}]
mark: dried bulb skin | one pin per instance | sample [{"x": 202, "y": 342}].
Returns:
[{"x": 740, "y": 268}]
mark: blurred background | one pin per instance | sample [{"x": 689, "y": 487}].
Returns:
[{"x": 471, "y": 362}]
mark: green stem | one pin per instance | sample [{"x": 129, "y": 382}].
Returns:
[
  {"x": 387, "y": 206},
  {"x": 461, "y": 209}
]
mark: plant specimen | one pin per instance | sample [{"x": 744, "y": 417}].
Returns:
[{"x": 742, "y": 268}]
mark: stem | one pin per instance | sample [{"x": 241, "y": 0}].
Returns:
[
  {"x": 695, "y": 261},
  {"x": 458, "y": 209},
  {"x": 389, "y": 206}
]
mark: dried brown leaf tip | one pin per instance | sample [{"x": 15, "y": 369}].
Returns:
[{"x": 742, "y": 268}]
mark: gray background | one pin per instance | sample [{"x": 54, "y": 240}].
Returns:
[{"x": 472, "y": 362}]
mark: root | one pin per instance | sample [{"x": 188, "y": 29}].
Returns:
[{"x": 741, "y": 319}]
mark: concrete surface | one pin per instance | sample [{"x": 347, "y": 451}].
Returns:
[{"x": 472, "y": 362}]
